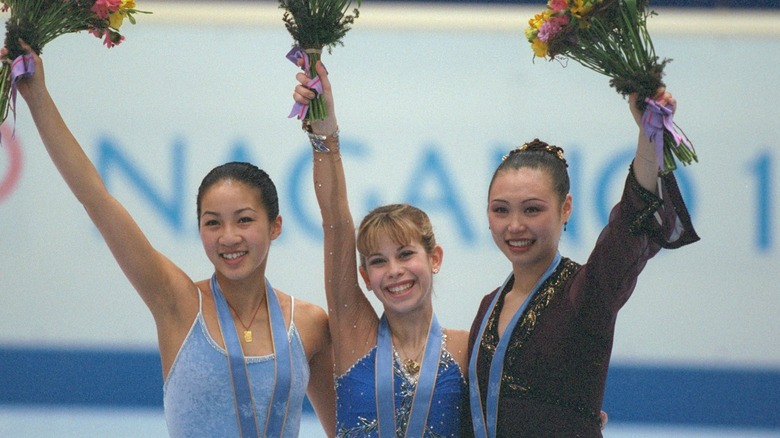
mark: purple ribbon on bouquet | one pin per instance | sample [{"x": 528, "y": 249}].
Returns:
[
  {"x": 294, "y": 55},
  {"x": 655, "y": 120},
  {"x": 22, "y": 67}
]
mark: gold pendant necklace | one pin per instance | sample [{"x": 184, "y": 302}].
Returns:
[
  {"x": 247, "y": 332},
  {"x": 412, "y": 367}
]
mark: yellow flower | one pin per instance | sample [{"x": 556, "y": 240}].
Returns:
[
  {"x": 539, "y": 48},
  {"x": 530, "y": 33},
  {"x": 115, "y": 19},
  {"x": 580, "y": 7},
  {"x": 538, "y": 20}
]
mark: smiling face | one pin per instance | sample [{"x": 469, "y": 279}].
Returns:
[
  {"x": 401, "y": 275},
  {"x": 526, "y": 216},
  {"x": 235, "y": 229}
]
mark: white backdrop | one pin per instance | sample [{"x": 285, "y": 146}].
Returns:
[{"x": 427, "y": 98}]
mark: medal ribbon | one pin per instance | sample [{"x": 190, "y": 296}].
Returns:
[
  {"x": 426, "y": 382},
  {"x": 245, "y": 405},
  {"x": 486, "y": 425}
]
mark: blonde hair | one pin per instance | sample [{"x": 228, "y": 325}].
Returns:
[{"x": 403, "y": 223}]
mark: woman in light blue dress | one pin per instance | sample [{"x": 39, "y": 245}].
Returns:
[{"x": 237, "y": 355}]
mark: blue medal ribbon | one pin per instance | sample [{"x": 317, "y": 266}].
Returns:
[
  {"x": 485, "y": 425},
  {"x": 245, "y": 406},
  {"x": 426, "y": 382}
]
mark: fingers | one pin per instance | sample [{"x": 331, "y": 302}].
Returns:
[
  {"x": 323, "y": 74},
  {"x": 632, "y": 105},
  {"x": 667, "y": 100},
  {"x": 303, "y": 94},
  {"x": 27, "y": 49},
  {"x": 26, "y": 46},
  {"x": 632, "y": 98},
  {"x": 663, "y": 97}
]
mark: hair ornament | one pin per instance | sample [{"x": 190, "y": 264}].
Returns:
[{"x": 538, "y": 145}]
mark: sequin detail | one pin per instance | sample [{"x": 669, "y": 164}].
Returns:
[
  {"x": 355, "y": 398},
  {"x": 642, "y": 222},
  {"x": 546, "y": 294}
]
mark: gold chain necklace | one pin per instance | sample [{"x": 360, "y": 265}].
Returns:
[
  {"x": 411, "y": 366},
  {"x": 247, "y": 332}
]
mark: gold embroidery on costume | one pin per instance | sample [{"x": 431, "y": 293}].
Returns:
[
  {"x": 547, "y": 291},
  {"x": 641, "y": 222}
]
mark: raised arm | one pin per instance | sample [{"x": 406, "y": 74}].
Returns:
[
  {"x": 152, "y": 275},
  {"x": 646, "y": 159},
  {"x": 353, "y": 321}
]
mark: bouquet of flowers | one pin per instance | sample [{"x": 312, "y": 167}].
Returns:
[
  {"x": 315, "y": 24},
  {"x": 611, "y": 38},
  {"x": 38, "y": 22}
]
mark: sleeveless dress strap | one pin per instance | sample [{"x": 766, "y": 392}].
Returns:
[{"x": 292, "y": 310}]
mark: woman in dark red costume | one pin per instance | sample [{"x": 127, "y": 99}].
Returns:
[{"x": 541, "y": 343}]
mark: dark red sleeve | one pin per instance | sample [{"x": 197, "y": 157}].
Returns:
[{"x": 639, "y": 226}]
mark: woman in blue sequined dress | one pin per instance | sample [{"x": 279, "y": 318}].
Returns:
[{"x": 400, "y": 374}]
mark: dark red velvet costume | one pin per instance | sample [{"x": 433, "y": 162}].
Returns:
[{"x": 556, "y": 364}]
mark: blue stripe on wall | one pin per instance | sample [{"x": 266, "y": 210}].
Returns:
[
  {"x": 634, "y": 394},
  {"x": 80, "y": 377},
  {"x": 694, "y": 396}
]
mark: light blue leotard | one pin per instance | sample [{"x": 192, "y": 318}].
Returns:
[{"x": 198, "y": 395}]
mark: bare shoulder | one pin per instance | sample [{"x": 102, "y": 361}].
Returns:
[
  {"x": 458, "y": 346},
  {"x": 306, "y": 312},
  {"x": 311, "y": 321}
]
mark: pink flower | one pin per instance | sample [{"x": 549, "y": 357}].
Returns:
[
  {"x": 102, "y": 8},
  {"x": 558, "y": 5},
  {"x": 552, "y": 26},
  {"x": 110, "y": 39}
]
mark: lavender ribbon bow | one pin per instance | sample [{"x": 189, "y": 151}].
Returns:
[
  {"x": 296, "y": 53},
  {"x": 655, "y": 120},
  {"x": 22, "y": 67}
]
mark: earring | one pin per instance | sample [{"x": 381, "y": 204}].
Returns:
[
  {"x": 564, "y": 225},
  {"x": 435, "y": 270}
]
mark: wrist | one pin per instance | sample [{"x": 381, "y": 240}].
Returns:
[
  {"x": 322, "y": 142},
  {"x": 326, "y": 126}
]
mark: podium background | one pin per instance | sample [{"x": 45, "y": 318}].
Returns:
[{"x": 429, "y": 96}]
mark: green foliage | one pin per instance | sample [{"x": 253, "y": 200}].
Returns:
[{"x": 315, "y": 24}]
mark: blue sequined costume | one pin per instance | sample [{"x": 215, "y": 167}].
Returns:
[{"x": 356, "y": 411}]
